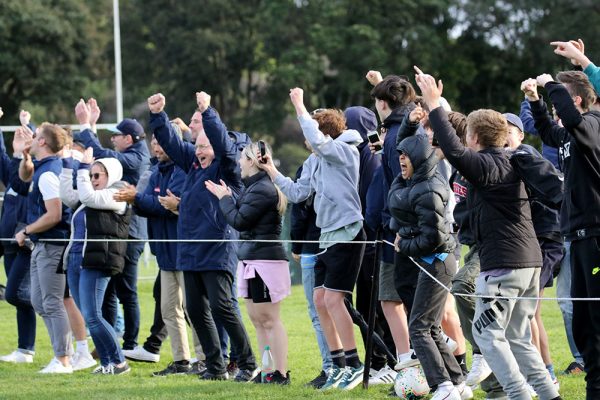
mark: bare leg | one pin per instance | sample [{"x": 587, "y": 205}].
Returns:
[
  {"x": 334, "y": 302},
  {"x": 395, "y": 316},
  {"x": 451, "y": 325},
  {"x": 329, "y": 329},
  {"x": 272, "y": 331}
]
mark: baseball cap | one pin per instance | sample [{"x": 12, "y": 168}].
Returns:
[
  {"x": 514, "y": 120},
  {"x": 131, "y": 127}
]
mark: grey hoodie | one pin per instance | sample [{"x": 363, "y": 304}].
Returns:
[{"x": 332, "y": 173}]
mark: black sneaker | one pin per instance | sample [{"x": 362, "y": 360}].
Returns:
[
  {"x": 246, "y": 375},
  {"x": 112, "y": 369},
  {"x": 257, "y": 378},
  {"x": 319, "y": 381},
  {"x": 174, "y": 369},
  {"x": 278, "y": 379},
  {"x": 209, "y": 376},
  {"x": 197, "y": 368},
  {"x": 232, "y": 369},
  {"x": 574, "y": 369}
]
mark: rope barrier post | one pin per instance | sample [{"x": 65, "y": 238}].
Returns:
[{"x": 372, "y": 312}]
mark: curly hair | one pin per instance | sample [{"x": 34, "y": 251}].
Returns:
[
  {"x": 490, "y": 127},
  {"x": 331, "y": 121}
]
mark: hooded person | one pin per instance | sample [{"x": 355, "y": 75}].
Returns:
[
  {"x": 97, "y": 216},
  {"x": 417, "y": 203}
]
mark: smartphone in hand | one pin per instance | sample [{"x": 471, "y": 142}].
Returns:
[
  {"x": 373, "y": 137},
  {"x": 262, "y": 147}
]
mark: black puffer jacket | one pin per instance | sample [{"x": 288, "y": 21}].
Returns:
[
  {"x": 418, "y": 204},
  {"x": 106, "y": 224},
  {"x": 254, "y": 214}
]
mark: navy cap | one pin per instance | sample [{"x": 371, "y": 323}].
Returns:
[
  {"x": 129, "y": 127},
  {"x": 514, "y": 120}
]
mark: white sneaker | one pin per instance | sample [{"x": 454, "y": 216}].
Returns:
[
  {"x": 465, "y": 391},
  {"x": 82, "y": 360},
  {"x": 385, "y": 375},
  {"x": 141, "y": 354},
  {"x": 407, "y": 360},
  {"x": 56, "y": 367},
  {"x": 17, "y": 357},
  {"x": 452, "y": 345},
  {"x": 479, "y": 370},
  {"x": 446, "y": 393}
]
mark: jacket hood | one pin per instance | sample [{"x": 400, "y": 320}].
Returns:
[
  {"x": 421, "y": 154},
  {"x": 361, "y": 119},
  {"x": 113, "y": 168},
  {"x": 350, "y": 136}
]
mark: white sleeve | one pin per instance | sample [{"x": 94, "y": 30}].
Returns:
[
  {"x": 49, "y": 185},
  {"x": 100, "y": 199},
  {"x": 68, "y": 195}
]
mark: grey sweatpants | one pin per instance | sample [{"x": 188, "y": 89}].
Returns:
[
  {"x": 47, "y": 296},
  {"x": 502, "y": 329}
]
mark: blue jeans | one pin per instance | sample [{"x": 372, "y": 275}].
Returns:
[
  {"x": 563, "y": 290},
  {"x": 73, "y": 270},
  {"x": 307, "y": 262},
  {"x": 92, "y": 286},
  {"x": 124, "y": 287},
  {"x": 17, "y": 294}
]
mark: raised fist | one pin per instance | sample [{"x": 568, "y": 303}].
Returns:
[
  {"x": 374, "y": 77},
  {"x": 82, "y": 112},
  {"x": 24, "y": 117},
  {"x": 22, "y": 139},
  {"x": 543, "y": 79},
  {"x": 529, "y": 87},
  {"x": 156, "y": 103},
  {"x": 297, "y": 96},
  {"x": 203, "y": 101}
]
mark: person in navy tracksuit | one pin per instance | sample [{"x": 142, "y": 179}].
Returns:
[{"x": 207, "y": 266}]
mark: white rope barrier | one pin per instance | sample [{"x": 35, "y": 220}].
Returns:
[{"x": 371, "y": 242}]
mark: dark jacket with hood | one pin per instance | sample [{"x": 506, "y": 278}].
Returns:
[
  {"x": 364, "y": 120},
  {"x": 162, "y": 223},
  {"x": 254, "y": 214},
  {"x": 199, "y": 213},
  {"x": 418, "y": 204},
  {"x": 500, "y": 216},
  {"x": 578, "y": 142}
]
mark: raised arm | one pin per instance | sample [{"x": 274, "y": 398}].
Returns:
[
  {"x": 68, "y": 195},
  {"x": 182, "y": 153}
]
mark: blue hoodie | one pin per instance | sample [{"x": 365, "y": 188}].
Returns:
[
  {"x": 162, "y": 223},
  {"x": 199, "y": 214}
]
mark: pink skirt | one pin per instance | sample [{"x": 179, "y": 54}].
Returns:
[{"x": 274, "y": 273}]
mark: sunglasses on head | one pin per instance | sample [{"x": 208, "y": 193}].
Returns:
[
  {"x": 96, "y": 175},
  {"x": 317, "y": 111}
]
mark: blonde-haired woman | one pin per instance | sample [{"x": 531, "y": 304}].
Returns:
[{"x": 263, "y": 273}]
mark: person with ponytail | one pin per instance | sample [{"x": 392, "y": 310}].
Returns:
[{"x": 263, "y": 275}]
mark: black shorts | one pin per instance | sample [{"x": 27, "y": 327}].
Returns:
[
  {"x": 257, "y": 290},
  {"x": 552, "y": 255},
  {"x": 338, "y": 267}
]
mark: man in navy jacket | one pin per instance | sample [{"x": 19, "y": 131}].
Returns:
[
  {"x": 132, "y": 152},
  {"x": 207, "y": 266}
]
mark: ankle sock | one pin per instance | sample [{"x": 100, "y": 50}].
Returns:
[
  {"x": 82, "y": 346},
  {"x": 462, "y": 361},
  {"x": 352, "y": 359},
  {"x": 338, "y": 359}
]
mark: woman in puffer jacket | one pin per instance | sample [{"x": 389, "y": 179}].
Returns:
[
  {"x": 98, "y": 216},
  {"x": 417, "y": 204},
  {"x": 263, "y": 274}
]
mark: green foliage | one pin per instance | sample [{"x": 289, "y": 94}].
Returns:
[{"x": 44, "y": 59}]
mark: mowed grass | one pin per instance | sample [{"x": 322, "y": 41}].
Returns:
[{"x": 23, "y": 381}]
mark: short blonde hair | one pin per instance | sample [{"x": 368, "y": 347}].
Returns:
[
  {"x": 54, "y": 136},
  {"x": 490, "y": 127}
]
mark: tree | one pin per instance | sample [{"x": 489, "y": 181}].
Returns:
[{"x": 47, "y": 50}]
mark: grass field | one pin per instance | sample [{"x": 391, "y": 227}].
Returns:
[{"x": 22, "y": 381}]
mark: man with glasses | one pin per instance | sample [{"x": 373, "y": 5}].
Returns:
[{"x": 131, "y": 150}]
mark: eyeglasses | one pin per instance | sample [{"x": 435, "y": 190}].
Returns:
[{"x": 97, "y": 175}]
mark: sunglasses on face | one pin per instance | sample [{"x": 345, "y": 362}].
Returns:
[{"x": 96, "y": 175}]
